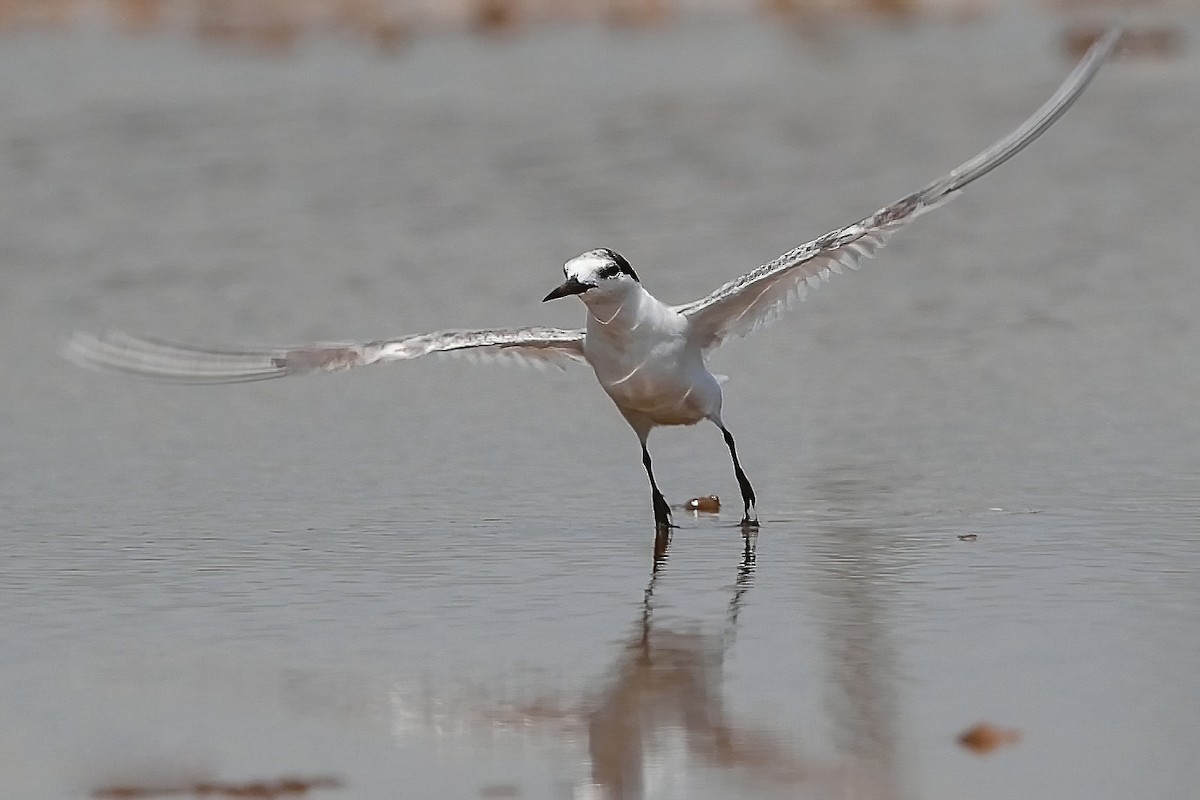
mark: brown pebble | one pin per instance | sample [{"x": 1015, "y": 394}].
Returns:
[
  {"x": 968, "y": 537},
  {"x": 705, "y": 505},
  {"x": 984, "y": 737}
]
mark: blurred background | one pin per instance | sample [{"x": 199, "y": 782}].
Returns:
[
  {"x": 977, "y": 459},
  {"x": 279, "y": 25}
]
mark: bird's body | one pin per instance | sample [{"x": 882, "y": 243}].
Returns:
[
  {"x": 649, "y": 357},
  {"x": 645, "y": 361}
]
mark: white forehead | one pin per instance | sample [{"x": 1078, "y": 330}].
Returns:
[{"x": 587, "y": 264}]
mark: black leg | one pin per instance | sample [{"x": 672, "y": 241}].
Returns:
[
  {"x": 662, "y": 512},
  {"x": 743, "y": 481}
]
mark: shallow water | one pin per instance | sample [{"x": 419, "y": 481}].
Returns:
[{"x": 437, "y": 579}]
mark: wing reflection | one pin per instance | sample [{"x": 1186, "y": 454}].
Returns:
[{"x": 858, "y": 568}]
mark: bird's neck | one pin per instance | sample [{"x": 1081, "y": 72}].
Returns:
[{"x": 618, "y": 310}]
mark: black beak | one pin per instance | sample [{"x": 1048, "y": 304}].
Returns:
[{"x": 570, "y": 286}]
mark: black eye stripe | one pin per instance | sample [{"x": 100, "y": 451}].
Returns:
[
  {"x": 624, "y": 265},
  {"x": 619, "y": 265}
]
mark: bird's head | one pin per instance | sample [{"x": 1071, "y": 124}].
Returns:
[{"x": 596, "y": 274}]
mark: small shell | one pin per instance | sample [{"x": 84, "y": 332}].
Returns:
[{"x": 704, "y": 505}]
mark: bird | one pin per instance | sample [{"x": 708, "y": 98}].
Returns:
[{"x": 648, "y": 356}]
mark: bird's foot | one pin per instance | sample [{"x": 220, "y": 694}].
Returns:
[
  {"x": 749, "y": 523},
  {"x": 662, "y": 513}
]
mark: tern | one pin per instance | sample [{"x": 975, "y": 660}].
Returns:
[{"x": 649, "y": 357}]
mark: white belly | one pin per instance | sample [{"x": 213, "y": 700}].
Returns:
[{"x": 662, "y": 380}]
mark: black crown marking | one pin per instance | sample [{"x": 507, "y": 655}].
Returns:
[{"x": 618, "y": 267}]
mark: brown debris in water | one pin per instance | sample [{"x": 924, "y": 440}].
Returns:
[
  {"x": 968, "y": 537},
  {"x": 276, "y": 27},
  {"x": 1157, "y": 42},
  {"x": 495, "y": 16},
  {"x": 376, "y": 21},
  {"x": 267, "y": 790},
  {"x": 500, "y": 790},
  {"x": 138, "y": 16},
  {"x": 638, "y": 13},
  {"x": 704, "y": 505},
  {"x": 272, "y": 27},
  {"x": 822, "y": 12},
  {"x": 984, "y": 737}
]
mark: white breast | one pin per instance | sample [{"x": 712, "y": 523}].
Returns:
[{"x": 641, "y": 356}]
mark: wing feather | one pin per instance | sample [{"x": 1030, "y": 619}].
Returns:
[
  {"x": 758, "y": 297},
  {"x": 114, "y": 351}
]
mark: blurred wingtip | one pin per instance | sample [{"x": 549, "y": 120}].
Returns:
[
  {"x": 80, "y": 348},
  {"x": 120, "y": 353}
]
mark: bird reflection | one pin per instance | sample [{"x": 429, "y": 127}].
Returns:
[
  {"x": 664, "y": 680},
  {"x": 663, "y": 696}
]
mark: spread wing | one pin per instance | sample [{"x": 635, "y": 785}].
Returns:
[
  {"x": 758, "y": 297},
  {"x": 150, "y": 358}
]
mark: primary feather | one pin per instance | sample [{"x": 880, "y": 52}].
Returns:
[
  {"x": 151, "y": 358},
  {"x": 756, "y": 298}
]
